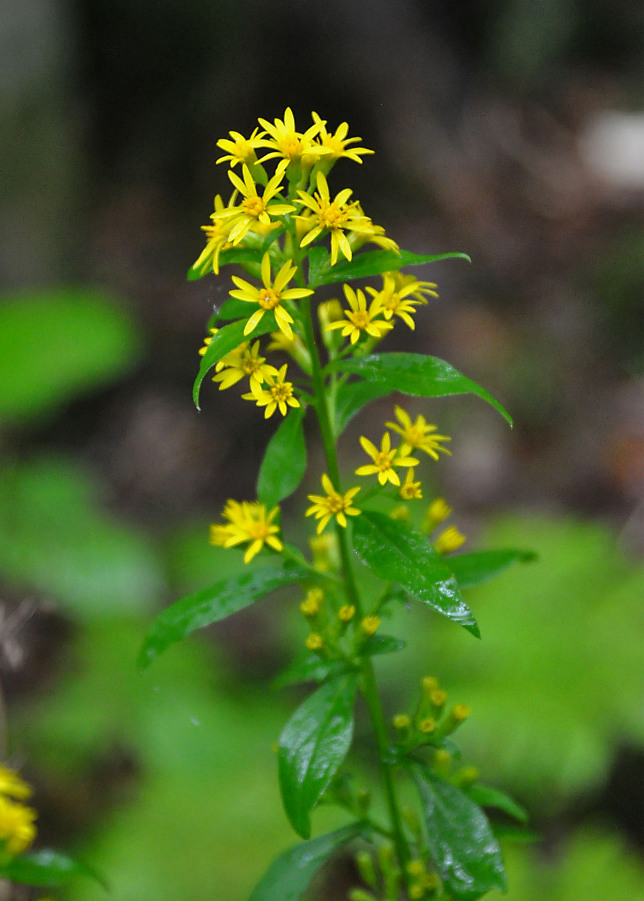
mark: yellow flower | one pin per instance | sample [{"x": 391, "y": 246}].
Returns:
[
  {"x": 336, "y": 216},
  {"x": 337, "y": 144},
  {"x": 370, "y": 624},
  {"x": 449, "y": 540},
  {"x": 243, "y": 361},
  {"x": 314, "y": 642},
  {"x": 218, "y": 238},
  {"x": 240, "y": 149},
  {"x": 437, "y": 512},
  {"x": 384, "y": 460},
  {"x": 410, "y": 490},
  {"x": 360, "y": 318},
  {"x": 394, "y": 302},
  {"x": 246, "y": 521},
  {"x": 270, "y": 297},
  {"x": 253, "y": 208},
  {"x": 311, "y": 604},
  {"x": 332, "y": 504},
  {"x": 12, "y": 785},
  {"x": 289, "y": 143},
  {"x": 17, "y": 830},
  {"x": 277, "y": 393},
  {"x": 417, "y": 435},
  {"x": 346, "y": 613}
]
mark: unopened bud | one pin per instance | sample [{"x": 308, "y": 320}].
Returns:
[
  {"x": 448, "y": 541},
  {"x": 364, "y": 863},
  {"x": 369, "y": 625},
  {"x": 314, "y": 642},
  {"x": 437, "y": 512}
]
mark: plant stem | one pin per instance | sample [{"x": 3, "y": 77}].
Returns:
[{"x": 369, "y": 686}]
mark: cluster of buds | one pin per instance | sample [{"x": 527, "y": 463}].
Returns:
[
  {"x": 385, "y": 879},
  {"x": 432, "y": 721},
  {"x": 336, "y": 633}
]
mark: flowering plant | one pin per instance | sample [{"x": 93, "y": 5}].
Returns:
[{"x": 291, "y": 235}]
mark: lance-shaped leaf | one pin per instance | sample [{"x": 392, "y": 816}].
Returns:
[
  {"x": 233, "y": 255},
  {"x": 309, "y": 667},
  {"x": 485, "y": 796},
  {"x": 376, "y": 261},
  {"x": 228, "y": 338},
  {"x": 472, "y": 569},
  {"x": 461, "y": 843},
  {"x": 312, "y": 746},
  {"x": 414, "y": 374},
  {"x": 290, "y": 874},
  {"x": 202, "y": 608},
  {"x": 284, "y": 462},
  {"x": 46, "y": 868},
  {"x": 396, "y": 553}
]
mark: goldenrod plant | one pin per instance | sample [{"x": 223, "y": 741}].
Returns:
[{"x": 294, "y": 353}]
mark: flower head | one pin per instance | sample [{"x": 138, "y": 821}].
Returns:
[
  {"x": 253, "y": 210},
  {"x": 278, "y": 393},
  {"x": 332, "y": 504},
  {"x": 217, "y": 239},
  {"x": 410, "y": 490},
  {"x": 337, "y": 144},
  {"x": 270, "y": 296},
  {"x": 397, "y": 302},
  {"x": 448, "y": 541},
  {"x": 335, "y": 216},
  {"x": 17, "y": 830},
  {"x": 288, "y": 143},
  {"x": 246, "y": 521},
  {"x": 240, "y": 149},
  {"x": 360, "y": 318},
  {"x": 417, "y": 435},
  {"x": 384, "y": 460},
  {"x": 244, "y": 361}
]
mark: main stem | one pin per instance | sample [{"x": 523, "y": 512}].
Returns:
[{"x": 369, "y": 686}]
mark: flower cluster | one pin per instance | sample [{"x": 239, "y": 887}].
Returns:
[{"x": 17, "y": 829}]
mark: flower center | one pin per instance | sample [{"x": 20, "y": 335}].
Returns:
[
  {"x": 335, "y": 503},
  {"x": 282, "y": 392},
  {"x": 383, "y": 461},
  {"x": 360, "y": 319},
  {"x": 392, "y": 302},
  {"x": 332, "y": 216},
  {"x": 254, "y": 206},
  {"x": 258, "y": 530},
  {"x": 268, "y": 299}
]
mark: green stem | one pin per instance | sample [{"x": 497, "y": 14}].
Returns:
[{"x": 369, "y": 686}]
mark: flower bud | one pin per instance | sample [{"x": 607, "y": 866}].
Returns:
[{"x": 366, "y": 869}]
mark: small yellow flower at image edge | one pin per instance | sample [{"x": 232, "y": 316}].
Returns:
[
  {"x": 247, "y": 521},
  {"x": 332, "y": 504},
  {"x": 17, "y": 829}
]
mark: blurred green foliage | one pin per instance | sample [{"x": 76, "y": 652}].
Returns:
[{"x": 555, "y": 683}]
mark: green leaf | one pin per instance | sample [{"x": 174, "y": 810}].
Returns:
[
  {"x": 234, "y": 255},
  {"x": 202, "y": 608},
  {"x": 308, "y": 667},
  {"x": 228, "y": 338},
  {"x": 312, "y": 746},
  {"x": 46, "y": 868},
  {"x": 284, "y": 462},
  {"x": 396, "y": 553},
  {"x": 381, "y": 644},
  {"x": 461, "y": 843},
  {"x": 485, "y": 796},
  {"x": 472, "y": 569},
  {"x": 414, "y": 374},
  {"x": 318, "y": 258},
  {"x": 60, "y": 345},
  {"x": 376, "y": 261},
  {"x": 290, "y": 874}
]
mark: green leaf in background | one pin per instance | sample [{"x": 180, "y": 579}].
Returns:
[
  {"x": 290, "y": 874},
  {"x": 284, "y": 462},
  {"x": 308, "y": 667},
  {"x": 228, "y": 338},
  {"x": 55, "y": 538},
  {"x": 414, "y": 374},
  {"x": 312, "y": 746},
  {"x": 46, "y": 868},
  {"x": 485, "y": 796},
  {"x": 233, "y": 255},
  {"x": 381, "y": 644},
  {"x": 318, "y": 259},
  {"x": 376, "y": 261},
  {"x": 396, "y": 553},
  {"x": 202, "y": 608},
  {"x": 58, "y": 346},
  {"x": 472, "y": 569},
  {"x": 461, "y": 843}
]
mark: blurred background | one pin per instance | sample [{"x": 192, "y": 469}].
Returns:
[{"x": 510, "y": 130}]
